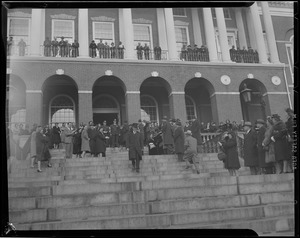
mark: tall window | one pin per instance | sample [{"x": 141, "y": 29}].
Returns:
[
  {"x": 179, "y": 12},
  {"x": 63, "y": 28},
  {"x": 231, "y": 40},
  {"x": 226, "y": 12},
  {"x": 190, "y": 108},
  {"x": 104, "y": 31},
  {"x": 142, "y": 34},
  {"x": 148, "y": 109},
  {"x": 19, "y": 28},
  {"x": 62, "y": 109},
  {"x": 182, "y": 36}
]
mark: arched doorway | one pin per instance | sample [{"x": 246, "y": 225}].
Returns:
[
  {"x": 109, "y": 100},
  {"x": 154, "y": 96},
  {"x": 60, "y": 100},
  {"x": 15, "y": 100},
  {"x": 258, "y": 107},
  {"x": 198, "y": 101}
]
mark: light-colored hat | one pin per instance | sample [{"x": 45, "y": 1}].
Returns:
[
  {"x": 188, "y": 132},
  {"x": 248, "y": 123}
]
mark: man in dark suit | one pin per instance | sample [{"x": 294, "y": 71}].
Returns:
[
  {"x": 100, "y": 47},
  {"x": 136, "y": 145},
  {"x": 250, "y": 148},
  {"x": 179, "y": 140},
  {"x": 168, "y": 140},
  {"x": 196, "y": 131}
]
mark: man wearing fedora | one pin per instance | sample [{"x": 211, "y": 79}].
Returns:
[
  {"x": 167, "y": 135},
  {"x": 136, "y": 146},
  {"x": 250, "y": 148},
  {"x": 265, "y": 168},
  {"x": 279, "y": 138},
  {"x": 196, "y": 131},
  {"x": 190, "y": 152}
]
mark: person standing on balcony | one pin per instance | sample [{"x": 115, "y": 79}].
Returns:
[
  {"x": 112, "y": 51},
  {"x": 238, "y": 57},
  {"x": 22, "y": 46},
  {"x": 232, "y": 53},
  {"x": 136, "y": 146},
  {"x": 250, "y": 148},
  {"x": 100, "y": 47},
  {"x": 184, "y": 53},
  {"x": 10, "y": 44},
  {"x": 93, "y": 48},
  {"x": 121, "y": 50},
  {"x": 68, "y": 49},
  {"x": 157, "y": 53},
  {"x": 256, "y": 58},
  {"x": 195, "y": 53},
  {"x": 146, "y": 52},
  {"x": 75, "y": 51},
  {"x": 47, "y": 47},
  {"x": 251, "y": 54},
  {"x": 139, "y": 50},
  {"x": 54, "y": 45},
  {"x": 196, "y": 131},
  {"x": 189, "y": 53},
  {"x": 62, "y": 46}
]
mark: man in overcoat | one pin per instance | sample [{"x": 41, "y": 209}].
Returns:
[
  {"x": 168, "y": 140},
  {"x": 41, "y": 142},
  {"x": 196, "y": 131},
  {"x": 69, "y": 141},
  {"x": 190, "y": 153},
  {"x": 250, "y": 148},
  {"x": 136, "y": 146},
  {"x": 179, "y": 141},
  {"x": 265, "y": 168}
]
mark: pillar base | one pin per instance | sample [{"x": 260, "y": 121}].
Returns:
[{"x": 83, "y": 57}]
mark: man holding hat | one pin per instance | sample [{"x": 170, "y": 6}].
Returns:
[
  {"x": 250, "y": 148},
  {"x": 265, "y": 168},
  {"x": 136, "y": 146},
  {"x": 190, "y": 152},
  {"x": 168, "y": 140}
]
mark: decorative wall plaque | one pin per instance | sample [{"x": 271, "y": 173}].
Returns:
[
  {"x": 198, "y": 75},
  {"x": 250, "y": 76},
  {"x": 225, "y": 79},
  {"x": 154, "y": 74},
  {"x": 276, "y": 80},
  {"x": 108, "y": 73},
  {"x": 60, "y": 72}
]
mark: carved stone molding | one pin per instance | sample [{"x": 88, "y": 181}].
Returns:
[
  {"x": 103, "y": 18},
  {"x": 60, "y": 72},
  {"x": 63, "y": 16},
  {"x": 276, "y": 80},
  {"x": 19, "y": 14},
  {"x": 141, "y": 21},
  {"x": 198, "y": 75},
  {"x": 180, "y": 23},
  {"x": 154, "y": 74},
  {"x": 108, "y": 72}
]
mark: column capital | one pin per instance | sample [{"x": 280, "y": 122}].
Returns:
[
  {"x": 34, "y": 91},
  {"x": 85, "y": 91}
]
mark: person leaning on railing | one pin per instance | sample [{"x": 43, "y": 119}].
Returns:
[
  {"x": 146, "y": 51},
  {"x": 75, "y": 51},
  {"x": 10, "y": 44},
  {"x": 121, "y": 50},
  {"x": 139, "y": 51},
  {"x": 157, "y": 53},
  {"x": 54, "y": 46},
  {"x": 47, "y": 47}
]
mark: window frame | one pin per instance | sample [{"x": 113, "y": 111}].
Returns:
[
  {"x": 66, "y": 20},
  {"x": 184, "y": 9},
  {"x": 113, "y": 31},
  {"x": 230, "y": 32},
  {"x": 187, "y": 33},
  {"x": 194, "y": 106},
  {"x": 57, "y": 96},
  {"x": 151, "y": 36},
  {"x": 156, "y": 105},
  {"x": 213, "y": 12}
]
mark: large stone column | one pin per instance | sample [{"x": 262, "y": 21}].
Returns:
[
  {"x": 270, "y": 32},
  {"x": 196, "y": 27},
  {"x": 121, "y": 26},
  {"x": 162, "y": 36},
  {"x": 85, "y": 106},
  {"x": 129, "y": 40},
  {"x": 210, "y": 35},
  {"x": 34, "y": 107},
  {"x": 171, "y": 37},
  {"x": 251, "y": 31},
  {"x": 261, "y": 48},
  {"x": 83, "y": 33},
  {"x": 177, "y": 106},
  {"x": 133, "y": 106},
  {"x": 36, "y": 27},
  {"x": 241, "y": 29},
  {"x": 223, "y": 35},
  {"x": 43, "y": 30}
]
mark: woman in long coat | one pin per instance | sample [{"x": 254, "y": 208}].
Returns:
[
  {"x": 93, "y": 138},
  {"x": 179, "y": 141},
  {"x": 63, "y": 134},
  {"x": 85, "y": 145},
  {"x": 250, "y": 148},
  {"x": 229, "y": 145},
  {"x": 77, "y": 142},
  {"x": 55, "y": 134},
  {"x": 268, "y": 144},
  {"x": 101, "y": 142}
]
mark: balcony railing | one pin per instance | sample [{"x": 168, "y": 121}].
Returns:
[
  {"x": 193, "y": 56},
  {"x": 16, "y": 50},
  {"x": 151, "y": 55}
]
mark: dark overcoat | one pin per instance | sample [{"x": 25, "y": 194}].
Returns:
[
  {"x": 196, "y": 129},
  {"x": 250, "y": 149},
  {"x": 281, "y": 145},
  {"x": 77, "y": 142},
  {"x": 55, "y": 134},
  {"x": 41, "y": 144},
  {"x": 179, "y": 140},
  {"x": 125, "y": 132},
  {"x": 230, "y": 149},
  {"x": 136, "y": 145},
  {"x": 100, "y": 143},
  {"x": 92, "y": 136},
  {"x": 261, "y": 152},
  {"x": 167, "y": 133}
]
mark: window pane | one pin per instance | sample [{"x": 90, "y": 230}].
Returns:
[
  {"x": 104, "y": 31},
  {"x": 62, "y": 110},
  {"x": 148, "y": 109},
  {"x": 181, "y": 37},
  {"x": 142, "y": 35},
  {"x": 19, "y": 28},
  {"x": 63, "y": 28}
]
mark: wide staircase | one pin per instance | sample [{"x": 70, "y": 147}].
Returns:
[{"x": 103, "y": 193}]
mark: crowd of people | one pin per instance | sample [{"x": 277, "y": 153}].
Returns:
[
  {"x": 106, "y": 51},
  {"x": 189, "y": 53},
  {"x": 267, "y": 149},
  {"x": 60, "y": 48},
  {"x": 244, "y": 55}
]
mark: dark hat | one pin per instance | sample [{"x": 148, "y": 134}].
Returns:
[
  {"x": 135, "y": 125},
  {"x": 248, "y": 123},
  {"x": 276, "y": 116},
  {"x": 260, "y": 121}
]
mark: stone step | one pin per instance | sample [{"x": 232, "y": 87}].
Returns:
[{"x": 146, "y": 221}]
